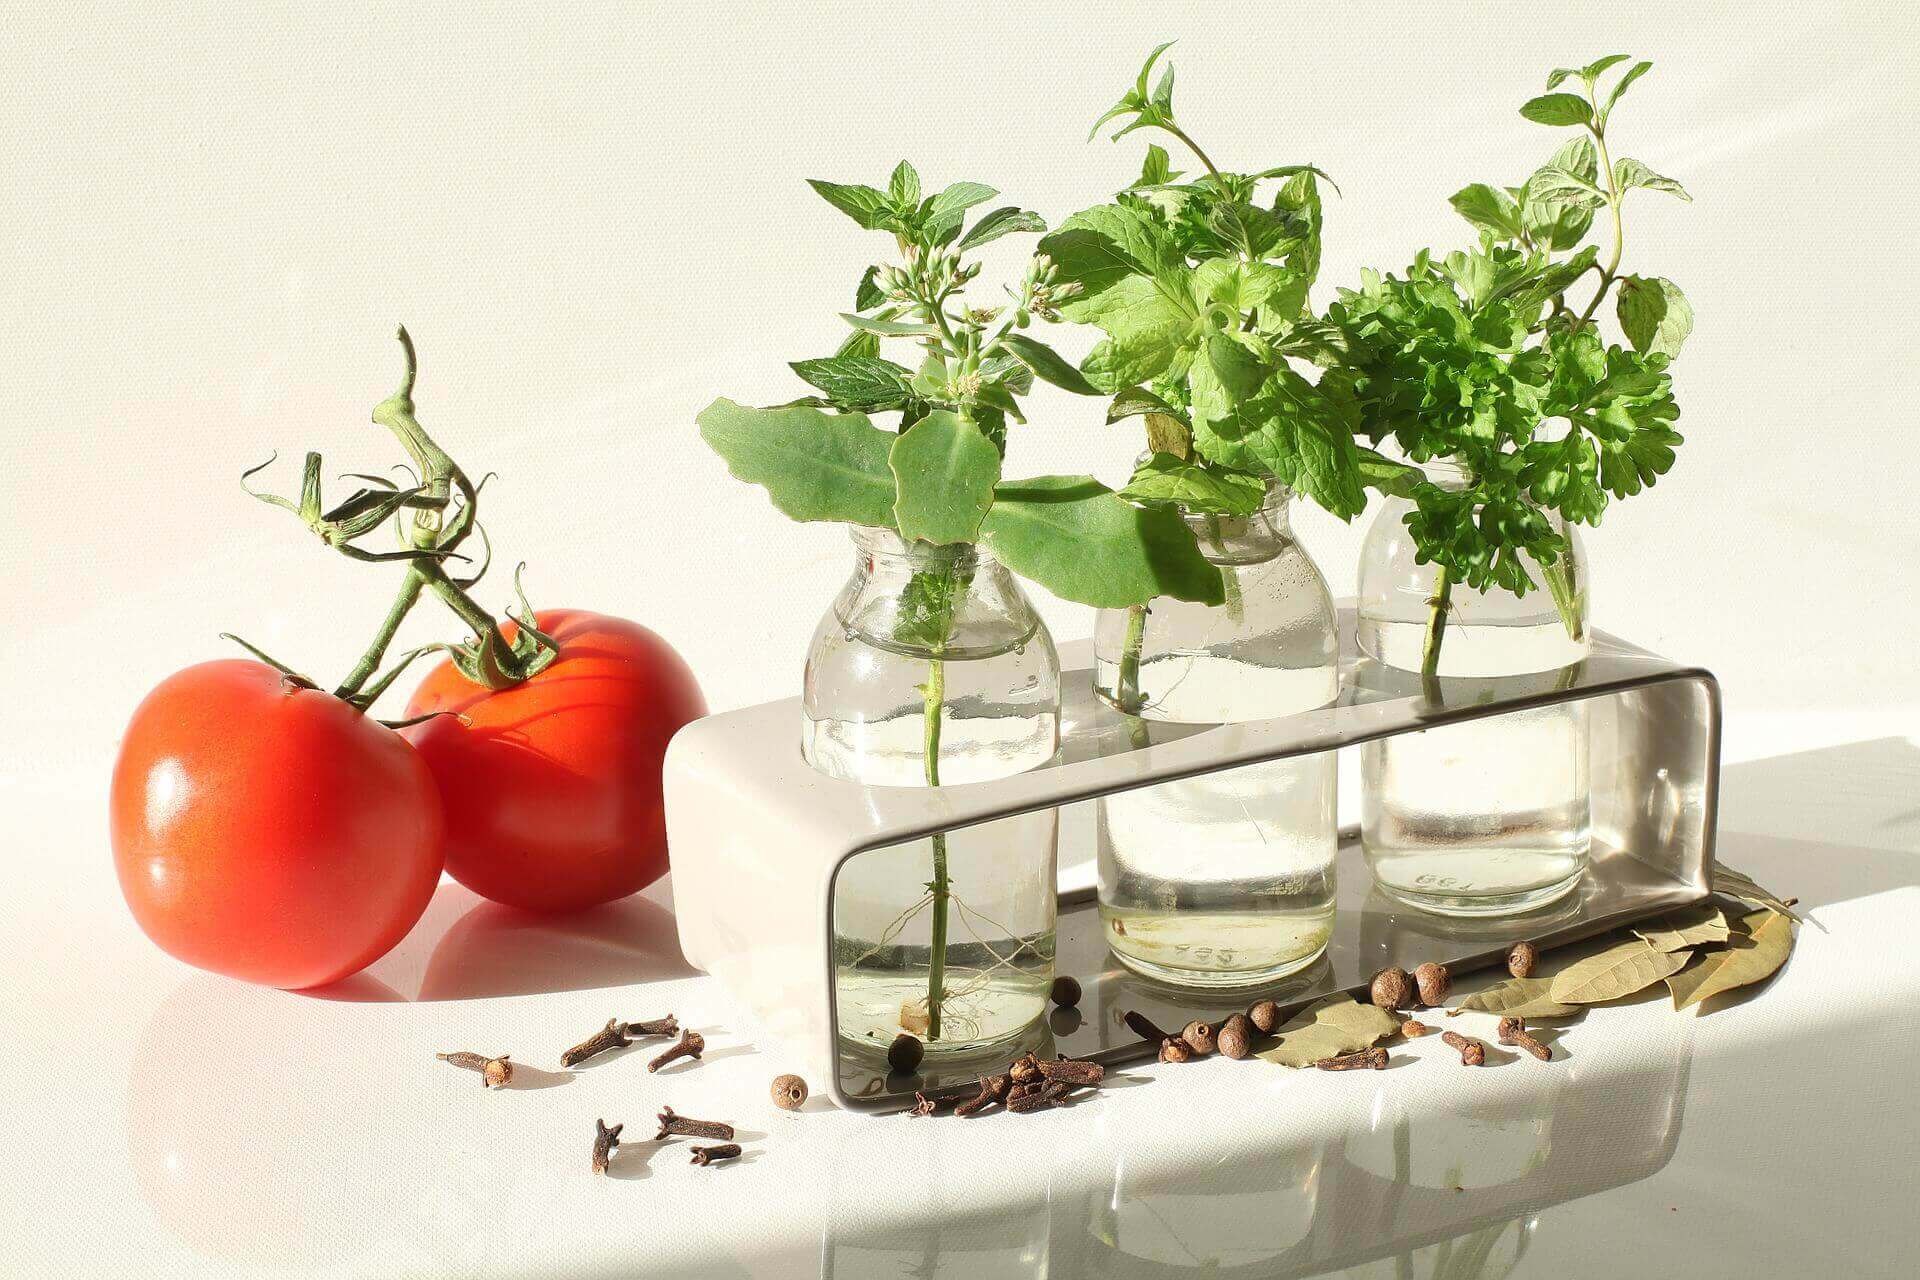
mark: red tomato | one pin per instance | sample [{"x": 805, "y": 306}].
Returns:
[
  {"x": 552, "y": 788},
  {"x": 269, "y": 831}
]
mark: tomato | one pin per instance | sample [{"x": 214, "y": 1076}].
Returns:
[
  {"x": 269, "y": 831},
  {"x": 552, "y": 787}
]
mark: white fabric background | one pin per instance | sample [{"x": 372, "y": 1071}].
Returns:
[{"x": 594, "y": 221}]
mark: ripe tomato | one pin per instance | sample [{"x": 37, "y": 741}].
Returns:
[
  {"x": 269, "y": 831},
  {"x": 552, "y": 787}
]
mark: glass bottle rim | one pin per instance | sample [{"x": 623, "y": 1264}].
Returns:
[{"x": 887, "y": 544}]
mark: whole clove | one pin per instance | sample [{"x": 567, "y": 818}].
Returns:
[
  {"x": 667, "y": 1026},
  {"x": 1434, "y": 982},
  {"x": 1041, "y": 1097},
  {"x": 690, "y": 1045},
  {"x": 980, "y": 1102},
  {"x": 999, "y": 1086},
  {"x": 1236, "y": 1036},
  {"x": 604, "y": 1141},
  {"x": 1074, "y": 1071},
  {"x": 1374, "y": 1059},
  {"x": 1020, "y": 1091},
  {"x": 607, "y": 1037},
  {"x": 1472, "y": 1052},
  {"x": 672, "y": 1125},
  {"x": 1141, "y": 1025},
  {"x": 1024, "y": 1070},
  {"x": 1265, "y": 1016},
  {"x": 924, "y": 1106},
  {"x": 1413, "y": 1029},
  {"x": 789, "y": 1092},
  {"x": 1066, "y": 991},
  {"x": 1175, "y": 1050},
  {"x": 1199, "y": 1037},
  {"x": 1392, "y": 989},
  {"x": 905, "y": 1053},
  {"x": 1521, "y": 959},
  {"x": 1514, "y": 1032},
  {"x": 711, "y": 1155},
  {"x": 494, "y": 1072}
]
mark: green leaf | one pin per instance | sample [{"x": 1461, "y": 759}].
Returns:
[
  {"x": 1618, "y": 971},
  {"x": 1684, "y": 929},
  {"x": 1489, "y": 208},
  {"x": 1048, "y": 364},
  {"x": 1522, "y": 998},
  {"x": 865, "y": 205},
  {"x": 891, "y": 328},
  {"x": 1629, "y": 174},
  {"x": 1002, "y": 221},
  {"x": 1134, "y": 401},
  {"x": 904, "y": 187},
  {"x": 1737, "y": 884},
  {"x": 859, "y": 343},
  {"x": 1377, "y": 471},
  {"x": 857, "y": 382},
  {"x": 1199, "y": 489},
  {"x": 1634, "y": 73},
  {"x": 1157, "y": 168},
  {"x": 1564, "y": 187},
  {"x": 1753, "y": 954},
  {"x": 1552, "y": 224},
  {"x": 1592, "y": 70},
  {"x": 1654, "y": 315},
  {"x": 1558, "y": 109},
  {"x": 1135, "y": 287},
  {"x": 814, "y": 465},
  {"x": 1081, "y": 541},
  {"x": 1328, "y": 1028},
  {"x": 868, "y": 295},
  {"x": 944, "y": 471},
  {"x": 948, "y": 208}
]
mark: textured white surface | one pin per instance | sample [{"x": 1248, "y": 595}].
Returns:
[{"x": 594, "y": 223}]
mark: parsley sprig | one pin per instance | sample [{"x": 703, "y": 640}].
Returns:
[{"x": 1480, "y": 357}]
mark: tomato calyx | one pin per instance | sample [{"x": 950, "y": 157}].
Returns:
[{"x": 445, "y": 506}]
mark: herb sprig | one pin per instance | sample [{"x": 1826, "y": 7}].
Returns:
[{"x": 1468, "y": 356}]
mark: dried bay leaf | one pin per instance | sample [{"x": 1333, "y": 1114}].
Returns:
[
  {"x": 1618, "y": 971},
  {"x": 1752, "y": 955},
  {"x": 1737, "y": 884},
  {"x": 1339, "y": 1024},
  {"x": 1520, "y": 998},
  {"x": 1689, "y": 927}
]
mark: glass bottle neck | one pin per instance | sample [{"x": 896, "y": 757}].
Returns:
[{"x": 1245, "y": 539}]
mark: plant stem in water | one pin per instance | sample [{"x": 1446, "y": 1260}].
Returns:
[
  {"x": 935, "y": 696},
  {"x": 1563, "y": 585},
  {"x": 1128, "y": 689},
  {"x": 1436, "y": 625}
]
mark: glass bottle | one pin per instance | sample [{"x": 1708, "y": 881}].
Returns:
[
  {"x": 1226, "y": 879},
  {"x": 932, "y": 668},
  {"x": 1490, "y": 817}
]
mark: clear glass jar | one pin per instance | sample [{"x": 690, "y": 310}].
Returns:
[
  {"x": 932, "y": 668},
  {"x": 1492, "y": 817},
  {"x": 1226, "y": 879}
]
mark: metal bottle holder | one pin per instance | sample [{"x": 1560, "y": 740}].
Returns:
[{"x": 759, "y": 838}]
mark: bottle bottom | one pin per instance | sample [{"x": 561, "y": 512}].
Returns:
[
  {"x": 1215, "y": 950},
  {"x": 1480, "y": 905}
]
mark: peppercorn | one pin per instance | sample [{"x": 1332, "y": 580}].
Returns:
[
  {"x": 1236, "y": 1036},
  {"x": 1066, "y": 991},
  {"x": 905, "y": 1053},
  {"x": 789, "y": 1092},
  {"x": 1173, "y": 1050},
  {"x": 1413, "y": 1030},
  {"x": 1265, "y": 1016},
  {"x": 1199, "y": 1037},
  {"x": 1434, "y": 982},
  {"x": 1392, "y": 989},
  {"x": 1521, "y": 958}
]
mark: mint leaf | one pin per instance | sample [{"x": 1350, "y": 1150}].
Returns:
[
  {"x": 1134, "y": 401},
  {"x": 1293, "y": 431},
  {"x": 1638, "y": 69},
  {"x": 1081, "y": 541},
  {"x": 1134, "y": 287},
  {"x": 1488, "y": 208},
  {"x": 945, "y": 211},
  {"x": 1001, "y": 222},
  {"x": 1629, "y": 174},
  {"x": 1049, "y": 364},
  {"x": 868, "y": 295},
  {"x": 1558, "y": 109},
  {"x": 814, "y": 465},
  {"x": 1592, "y": 70},
  {"x": 891, "y": 328},
  {"x": 1564, "y": 187},
  {"x": 857, "y": 382},
  {"x": 1196, "y": 487},
  {"x": 903, "y": 189},
  {"x": 1553, "y": 224},
  {"x": 1157, "y": 168},
  {"x": 944, "y": 471},
  {"x": 1654, "y": 315},
  {"x": 866, "y": 206}
]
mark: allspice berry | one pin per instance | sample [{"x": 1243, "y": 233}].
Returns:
[
  {"x": 789, "y": 1092},
  {"x": 1174, "y": 1049},
  {"x": 1264, "y": 1016},
  {"x": 1521, "y": 958},
  {"x": 1392, "y": 989},
  {"x": 1434, "y": 982},
  {"x": 1236, "y": 1036},
  {"x": 1199, "y": 1037},
  {"x": 904, "y": 1054},
  {"x": 1066, "y": 991}
]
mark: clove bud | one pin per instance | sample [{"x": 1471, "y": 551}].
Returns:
[
  {"x": 687, "y": 1127},
  {"x": 1073, "y": 1071},
  {"x": 604, "y": 1141},
  {"x": 1472, "y": 1052},
  {"x": 667, "y": 1026},
  {"x": 494, "y": 1072},
  {"x": 923, "y": 1105},
  {"x": 1041, "y": 1097},
  {"x": 1374, "y": 1059},
  {"x": 1514, "y": 1032},
  {"x": 690, "y": 1045},
  {"x": 607, "y": 1037},
  {"x": 710, "y": 1155}
]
